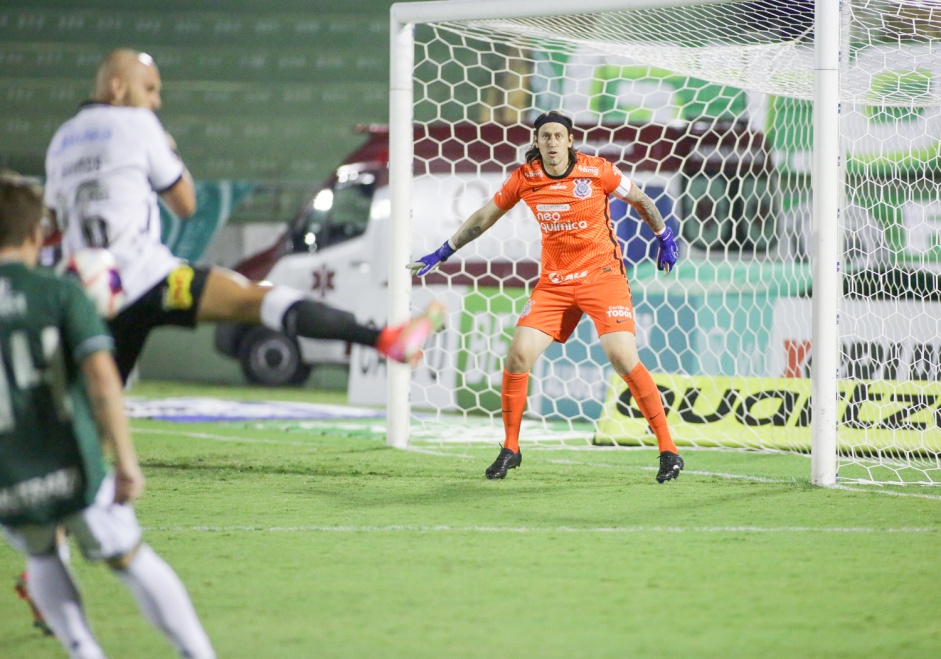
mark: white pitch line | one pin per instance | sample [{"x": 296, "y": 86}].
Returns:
[
  {"x": 742, "y": 477},
  {"x": 757, "y": 479},
  {"x": 396, "y": 528},
  {"x": 440, "y": 454},
  {"x": 891, "y": 493},
  {"x": 215, "y": 438},
  {"x": 605, "y": 465}
]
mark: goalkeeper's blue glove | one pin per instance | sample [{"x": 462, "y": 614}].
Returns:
[
  {"x": 426, "y": 264},
  {"x": 666, "y": 259}
]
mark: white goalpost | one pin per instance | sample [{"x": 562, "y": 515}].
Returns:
[
  {"x": 826, "y": 217},
  {"x": 795, "y": 149}
]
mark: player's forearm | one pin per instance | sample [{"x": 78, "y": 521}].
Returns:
[
  {"x": 106, "y": 399},
  {"x": 467, "y": 233},
  {"x": 181, "y": 198},
  {"x": 649, "y": 213},
  {"x": 476, "y": 224}
]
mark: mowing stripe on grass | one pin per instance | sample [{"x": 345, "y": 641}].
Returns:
[
  {"x": 397, "y": 528},
  {"x": 452, "y": 454}
]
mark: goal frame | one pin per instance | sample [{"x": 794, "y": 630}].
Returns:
[{"x": 826, "y": 176}]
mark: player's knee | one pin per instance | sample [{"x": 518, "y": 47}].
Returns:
[
  {"x": 624, "y": 362},
  {"x": 516, "y": 362},
  {"x": 275, "y": 304}
]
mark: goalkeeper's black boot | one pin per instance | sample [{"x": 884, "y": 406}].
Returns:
[
  {"x": 505, "y": 461},
  {"x": 670, "y": 466}
]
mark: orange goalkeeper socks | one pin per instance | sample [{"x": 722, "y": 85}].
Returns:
[
  {"x": 513, "y": 399},
  {"x": 647, "y": 396}
]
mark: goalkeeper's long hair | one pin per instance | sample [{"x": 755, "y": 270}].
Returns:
[{"x": 552, "y": 116}]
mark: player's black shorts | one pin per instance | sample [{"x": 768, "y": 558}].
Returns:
[{"x": 172, "y": 301}]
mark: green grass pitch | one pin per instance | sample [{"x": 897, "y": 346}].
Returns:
[{"x": 302, "y": 544}]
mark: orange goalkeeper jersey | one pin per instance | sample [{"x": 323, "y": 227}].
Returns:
[{"x": 578, "y": 238}]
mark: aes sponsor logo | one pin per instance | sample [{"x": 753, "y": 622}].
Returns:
[{"x": 556, "y": 278}]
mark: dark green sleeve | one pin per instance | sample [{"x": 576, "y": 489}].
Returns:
[{"x": 83, "y": 330}]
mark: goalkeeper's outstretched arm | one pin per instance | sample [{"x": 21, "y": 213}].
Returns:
[{"x": 479, "y": 221}]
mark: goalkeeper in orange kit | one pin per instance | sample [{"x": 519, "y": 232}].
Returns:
[{"x": 582, "y": 272}]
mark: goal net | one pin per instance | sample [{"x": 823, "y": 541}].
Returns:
[{"x": 708, "y": 107}]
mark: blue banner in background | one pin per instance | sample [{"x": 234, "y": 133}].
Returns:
[{"x": 215, "y": 201}]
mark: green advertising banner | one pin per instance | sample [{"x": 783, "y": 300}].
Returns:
[
  {"x": 487, "y": 324},
  {"x": 215, "y": 201}
]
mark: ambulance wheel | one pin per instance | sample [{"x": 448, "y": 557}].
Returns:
[{"x": 272, "y": 359}]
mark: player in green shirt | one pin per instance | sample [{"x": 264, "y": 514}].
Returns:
[{"x": 61, "y": 410}]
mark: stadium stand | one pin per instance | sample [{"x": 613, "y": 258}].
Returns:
[{"x": 268, "y": 95}]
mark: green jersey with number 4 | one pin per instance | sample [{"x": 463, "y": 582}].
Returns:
[{"x": 51, "y": 462}]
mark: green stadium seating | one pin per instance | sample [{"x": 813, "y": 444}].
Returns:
[{"x": 259, "y": 92}]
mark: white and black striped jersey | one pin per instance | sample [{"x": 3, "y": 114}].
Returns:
[{"x": 104, "y": 169}]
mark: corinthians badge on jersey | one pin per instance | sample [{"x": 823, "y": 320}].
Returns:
[{"x": 582, "y": 188}]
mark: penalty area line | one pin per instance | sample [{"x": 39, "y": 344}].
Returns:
[
  {"x": 890, "y": 493},
  {"x": 405, "y": 528},
  {"x": 693, "y": 472},
  {"x": 744, "y": 477},
  {"x": 215, "y": 438}
]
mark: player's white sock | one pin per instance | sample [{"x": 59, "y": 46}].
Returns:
[
  {"x": 276, "y": 303},
  {"x": 54, "y": 592},
  {"x": 163, "y": 600}
]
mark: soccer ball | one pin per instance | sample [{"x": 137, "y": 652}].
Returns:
[{"x": 97, "y": 271}]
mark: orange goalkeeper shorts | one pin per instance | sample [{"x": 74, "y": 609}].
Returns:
[{"x": 556, "y": 309}]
